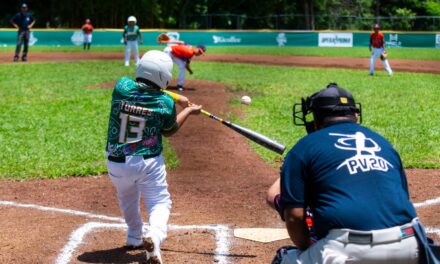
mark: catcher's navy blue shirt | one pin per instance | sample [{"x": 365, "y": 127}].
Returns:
[{"x": 350, "y": 177}]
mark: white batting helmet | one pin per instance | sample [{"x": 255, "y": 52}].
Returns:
[
  {"x": 155, "y": 66},
  {"x": 132, "y": 19}
]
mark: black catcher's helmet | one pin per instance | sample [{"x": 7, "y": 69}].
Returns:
[{"x": 330, "y": 101}]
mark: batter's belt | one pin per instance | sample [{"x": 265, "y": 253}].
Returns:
[
  {"x": 122, "y": 159},
  {"x": 381, "y": 236}
]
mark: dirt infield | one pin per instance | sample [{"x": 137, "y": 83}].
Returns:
[
  {"x": 219, "y": 186},
  {"x": 300, "y": 61}
]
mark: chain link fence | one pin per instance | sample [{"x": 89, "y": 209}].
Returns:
[{"x": 318, "y": 22}]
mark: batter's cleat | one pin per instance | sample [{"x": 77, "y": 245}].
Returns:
[
  {"x": 180, "y": 87},
  {"x": 16, "y": 58},
  {"x": 23, "y": 59},
  {"x": 133, "y": 243},
  {"x": 152, "y": 251}
]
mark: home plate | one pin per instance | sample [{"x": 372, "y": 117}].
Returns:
[{"x": 263, "y": 235}]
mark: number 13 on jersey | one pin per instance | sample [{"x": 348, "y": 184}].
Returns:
[{"x": 138, "y": 129}]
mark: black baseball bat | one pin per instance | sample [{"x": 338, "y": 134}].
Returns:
[{"x": 252, "y": 135}]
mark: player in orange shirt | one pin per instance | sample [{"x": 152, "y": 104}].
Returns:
[
  {"x": 378, "y": 44},
  {"x": 182, "y": 54},
  {"x": 87, "y": 29}
]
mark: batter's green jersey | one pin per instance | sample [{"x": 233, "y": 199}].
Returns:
[
  {"x": 131, "y": 33},
  {"x": 137, "y": 118}
]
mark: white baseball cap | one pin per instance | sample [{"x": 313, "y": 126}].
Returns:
[
  {"x": 155, "y": 66},
  {"x": 132, "y": 19}
]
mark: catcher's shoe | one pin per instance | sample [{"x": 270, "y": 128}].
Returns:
[
  {"x": 133, "y": 243},
  {"x": 152, "y": 251}
]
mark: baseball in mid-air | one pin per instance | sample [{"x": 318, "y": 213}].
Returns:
[{"x": 245, "y": 100}]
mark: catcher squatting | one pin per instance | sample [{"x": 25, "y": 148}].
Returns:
[{"x": 352, "y": 183}]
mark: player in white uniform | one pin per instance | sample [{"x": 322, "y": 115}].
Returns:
[
  {"x": 131, "y": 35},
  {"x": 140, "y": 114}
]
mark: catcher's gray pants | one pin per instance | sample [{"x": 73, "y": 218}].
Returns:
[
  {"x": 22, "y": 39},
  {"x": 366, "y": 247}
]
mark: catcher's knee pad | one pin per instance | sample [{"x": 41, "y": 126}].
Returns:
[{"x": 282, "y": 253}]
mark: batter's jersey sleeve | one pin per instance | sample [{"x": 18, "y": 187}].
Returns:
[{"x": 170, "y": 122}]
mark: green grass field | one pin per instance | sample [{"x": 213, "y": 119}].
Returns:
[
  {"x": 53, "y": 125},
  {"x": 357, "y": 52},
  {"x": 403, "y": 108}
]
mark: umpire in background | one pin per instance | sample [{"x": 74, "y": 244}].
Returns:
[
  {"x": 354, "y": 183},
  {"x": 23, "y": 21}
]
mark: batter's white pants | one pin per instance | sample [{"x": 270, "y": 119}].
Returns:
[
  {"x": 88, "y": 38},
  {"x": 181, "y": 64},
  {"x": 376, "y": 53},
  {"x": 387, "y": 246},
  {"x": 147, "y": 178},
  {"x": 132, "y": 45}
]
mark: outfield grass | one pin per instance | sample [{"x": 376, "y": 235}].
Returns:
[
  {"x": 53, "y": 125},
  {"x": 357, "y": 52},
  {"x": 403, "y": 108}
]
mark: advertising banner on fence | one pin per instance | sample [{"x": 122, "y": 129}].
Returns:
[
  {"x": 228, "y": 38},
  {"x": 335, "y": 40}
]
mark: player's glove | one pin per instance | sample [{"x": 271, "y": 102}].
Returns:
[
  {"x": 384, "y": 55},
  {"x": 163, "y": 38}
]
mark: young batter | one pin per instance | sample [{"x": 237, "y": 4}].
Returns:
[
  {"x": 131, "y": 35},
  {"x": 140, "y": 114}
]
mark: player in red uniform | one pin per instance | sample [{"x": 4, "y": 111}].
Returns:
[
  {"x": 87, "y": 29},
  {"x": 182, "y": 55},
  {"x": 378, "y": 44}
]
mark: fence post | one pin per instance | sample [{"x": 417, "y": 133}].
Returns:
[{"x": 238, "y": 22}]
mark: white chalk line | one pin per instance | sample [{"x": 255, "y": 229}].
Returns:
[
  {"x": 428, "y": 202},
  {"x": 432, "y": 230},
  {"x": 221, "y": 231},
  {"x": 77, "y": 238},
  {"x": 65, "y": 211}
]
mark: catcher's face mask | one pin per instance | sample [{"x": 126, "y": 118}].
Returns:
[{"x": 331, "y": 101}]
